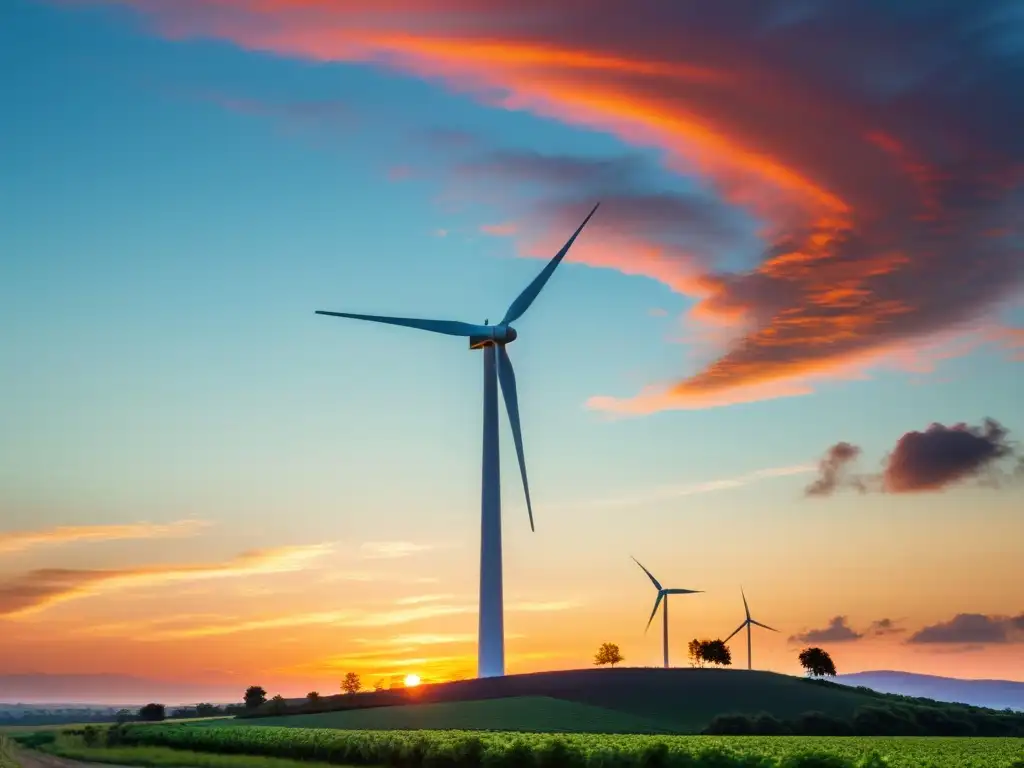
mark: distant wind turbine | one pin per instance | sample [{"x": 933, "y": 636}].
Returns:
[
  {"x": 746, "y": 623},
  {"x": 497, "y": 367},
  {"x": 663, "y": 594}
]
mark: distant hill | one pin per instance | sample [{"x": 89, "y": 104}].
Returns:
[{"x": 997, "y": 694}]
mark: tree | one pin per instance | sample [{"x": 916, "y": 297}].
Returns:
[
  {"x": 278, "y": 705},
  {"x": 817, "y": 662},
  {"x": 351, "y": 683},
  {"x": 608, "y": 653},
  {"x": 254, "y": 696},
  {"x": 716, "y": 652},
  {"x": 152, "y": 712},
  {"x": 695, "y": 651},
  {"x": 313, "y": 697},
  {"x": 207, "y": 710},
  {"x": 703, "y": 652}
]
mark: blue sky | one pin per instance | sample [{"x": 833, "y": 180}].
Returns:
[{"x": 174, "y": 210}]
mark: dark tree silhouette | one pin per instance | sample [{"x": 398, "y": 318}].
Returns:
[
  {"x": 695, "y": 650},
  {"x": 608, "y": 653},
  {"x": 817, "y": 662},
  {"x": 716, "y": 652},
  {"x": 351, "y": 683},
  {"x": 313, "y": 697},
  {"x": 278, "y": 705},
  {"x": 152, "y": 712},
  {"x": 254, "y": 696}
]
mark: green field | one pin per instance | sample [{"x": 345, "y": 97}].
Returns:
[
  {"x": 464, "y": 748},
  {"x": 672, "y": 700},
  {"x": 537, "y": 714}
]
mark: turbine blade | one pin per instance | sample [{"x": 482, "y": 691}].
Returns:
[
  {"x": 657, "y": 602},
  {"x": 763, "y": 626},
  {"x": 447, "y": 327},
  {"x": 525, "y": 299},
  {"x": 657, "y": 584},
  {"x": 683, "y": 591},
  {"x": 745, "y": 608},
  {"x": 507, "y": 377},
  {"x": 730, "y": 637}
]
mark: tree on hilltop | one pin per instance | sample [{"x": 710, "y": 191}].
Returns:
[
  {"x": 152, "y": 713},
  {"x": 351, "y": 683},
  {"x": 716, "y": 652},
  {"x": 608, "y": 653},
  {"x": 817, "y": 662},
  {"x": 254, "y": 696},
  {"x": 313, "y": 697},
  {"x": 695, "y": 652},
  {"x": 703, "y": 652}
]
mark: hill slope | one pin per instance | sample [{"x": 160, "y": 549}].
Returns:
[
  {"x": 533, "y": 714},
  {"x": 681, "y": 700},
  {"x": 997, "y": 694}
]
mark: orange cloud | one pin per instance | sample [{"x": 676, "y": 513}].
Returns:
[
  {"x": 18, "y": 541},
  {"x": 45, "y": 587},
  {"x": 886, "y": 193}
]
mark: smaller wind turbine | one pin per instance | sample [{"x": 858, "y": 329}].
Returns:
[
  {"x": 746, "y": 623},
  {"x": 663, "y": 594}
]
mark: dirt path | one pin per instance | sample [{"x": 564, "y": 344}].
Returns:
[{"x": 29, "y": 759}]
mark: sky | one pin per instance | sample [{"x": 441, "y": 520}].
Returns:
[{"x": 785, "y": 354}]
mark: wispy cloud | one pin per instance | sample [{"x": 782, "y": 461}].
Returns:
[
  {"x": 499, "y": 230},
  {"x": 374, "y": 550},
  {"x": 666, "y": 493},
  {"x": 40, "y": 589},
  {"x": 18, "y": 541},
  {"x": 418, "y": 599}
]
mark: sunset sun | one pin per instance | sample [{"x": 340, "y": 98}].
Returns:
[{"x": 411, "y": 681}]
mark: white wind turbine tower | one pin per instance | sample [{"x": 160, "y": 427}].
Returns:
[
  {"x": 663, "y": 594},
  {"x": 746, "y": 623},
  {"x": 492, "y": 339}
]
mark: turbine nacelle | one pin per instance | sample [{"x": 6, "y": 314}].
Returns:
[{"x": 496, "y": 334}]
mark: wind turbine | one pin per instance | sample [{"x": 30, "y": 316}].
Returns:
[
  {"x": 492, "y": 339},
  {"x": 746, "y": 623},
  {"x": 663, "y": 594}
]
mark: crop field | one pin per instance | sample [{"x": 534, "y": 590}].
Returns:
[
  {"x": 538, "y": 714},
  {"x": 454, "y": 749}
]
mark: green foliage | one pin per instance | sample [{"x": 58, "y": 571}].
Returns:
[
  {"x": 608, "y": 653},
  {"x": 703, "y": 652},
  {"x": 817, "y": 662},
  {"x": 254, "y": 696},
  {"x": 152, "y": 713},
  {"x": 455, "y": 749}
]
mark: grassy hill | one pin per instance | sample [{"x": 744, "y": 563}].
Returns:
[
  {"x": 675, "y": 700},
  {"x": 532, "y": 714}
]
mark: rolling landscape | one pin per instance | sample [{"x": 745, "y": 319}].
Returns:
[{"x": 449, "y": 384}]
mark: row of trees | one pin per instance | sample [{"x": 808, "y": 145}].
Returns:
[{"x": 815, "y": 661}]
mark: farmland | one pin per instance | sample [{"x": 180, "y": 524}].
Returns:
[{"x": 464, "y": 748}]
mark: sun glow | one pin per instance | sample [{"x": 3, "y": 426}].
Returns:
[{"x": 411, "y": 681}]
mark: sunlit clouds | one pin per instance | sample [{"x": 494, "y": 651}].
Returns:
[
  {"x": 867, "y": 188},
  {"x": 43, "y": 588},
  {"x": 18, "y": 541}
]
